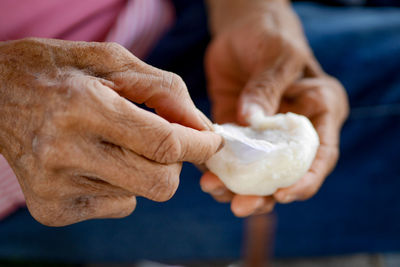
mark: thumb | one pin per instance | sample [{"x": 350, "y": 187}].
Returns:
[
  {"x": 264, "y": 90},
  {"x": 192, "y": 146}
]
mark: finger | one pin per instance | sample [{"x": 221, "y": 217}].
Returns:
[
  {"x": 164, "y": 91},
  {"x": 306, "y": 97},
  {"x": 125, "y": 169},
  {"x": 312, "y": 68},
  {"x": 224, "y": 107},
  {"x": 323, "y": 164},
  {"x": 267, "y": 208},
  {"x": 313, "y": 96},
  {"x": 139, "y": 82},
  {"x": 83, "y": 165},
  {"x": 185, "y": 144},
  {"x": 211, "y": 184},
  {"x": 159, "y": 140},
  {"x": 122, "y": 123},
  {"x": 223, "y": 84},
  {"x": 201, "y": 167},
  {"x": 310, "y": 183},
  {"x": 243, "y": 206},
  {"x": 267, "y": 86},
  {"x": 65, "y": 212},
  {"x": 224, "y": 197},
  {"x": 91, "y": 207}
]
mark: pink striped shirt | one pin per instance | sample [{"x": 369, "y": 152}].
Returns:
[{"x": 135, "y": 24}]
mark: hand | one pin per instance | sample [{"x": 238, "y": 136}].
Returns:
[
  {"x": 261, "y": 58},
  {"x": 79, "y": 148}
]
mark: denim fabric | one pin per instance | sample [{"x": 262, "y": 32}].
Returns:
[{"x": 356, "y": 210}]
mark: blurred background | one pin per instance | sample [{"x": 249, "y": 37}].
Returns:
[{"x": 354, "y": 220}]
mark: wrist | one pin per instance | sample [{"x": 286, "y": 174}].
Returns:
[
  {"x": 223, "y": 14},
  {"x": 7, "y": 103}
]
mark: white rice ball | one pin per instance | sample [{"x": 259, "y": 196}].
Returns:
[{"x": 274, "y": 152}]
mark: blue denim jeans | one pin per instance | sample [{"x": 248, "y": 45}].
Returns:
[{"x": 356, "y": 210}]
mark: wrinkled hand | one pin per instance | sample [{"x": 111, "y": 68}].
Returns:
[
  {"x": 261, "y": 59},
  {"x": 79, "y": 148}
]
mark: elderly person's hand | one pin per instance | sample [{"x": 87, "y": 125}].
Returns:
[
  {"x": 259, "y": 56},
  {"x": 79, "y": 148}
]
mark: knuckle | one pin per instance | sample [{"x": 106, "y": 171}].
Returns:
[
  {"x": 165, "y": 184},
  {"x": 114, "y": 52},
  {"x": 107, "y": 49},
  {"x": 338, "y": 92},
  {"x": 127, "y": 208},
  {"x": 107, "y": 58},
  {"x": 168, "y": 148},
  {"x": 174, "y": 83},
  {"x": 112, "y": 45}
]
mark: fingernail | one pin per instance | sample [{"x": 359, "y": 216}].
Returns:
[
  {"x": 206, "y": 122},
  {"x": 287, "y": 199},
  {"x": 265, "y": 208},
  {"x": 221, "y": 146},
  {"x": 259, "y": 204},
  {"x": 218, "y": 192},
  {"x": 213, "y": 191},
  {"x": 250, "y": 110},
  {"x": 206, "y": 188}
]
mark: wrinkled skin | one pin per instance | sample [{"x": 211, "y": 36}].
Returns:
[
  {"x": 79, "y": 148},
  {"x": 263, "y": 61}
]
